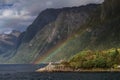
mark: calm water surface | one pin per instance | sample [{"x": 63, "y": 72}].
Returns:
[
  {"x": 27, "y": 72},
  {"x": 60, "y": 76}
]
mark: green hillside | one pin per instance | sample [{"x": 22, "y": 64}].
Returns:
[{"x": 96, "y": 59}]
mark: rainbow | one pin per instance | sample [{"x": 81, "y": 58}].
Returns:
[{"x": 39, "y": 59}]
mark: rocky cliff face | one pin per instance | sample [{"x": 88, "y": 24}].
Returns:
[{"x": 61, "y": 33}]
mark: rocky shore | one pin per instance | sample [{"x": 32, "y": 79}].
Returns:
[{"x": 52, "y": 67}]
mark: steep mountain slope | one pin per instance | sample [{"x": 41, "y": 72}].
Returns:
[
  {"x": 52, "y": 28},
  {"x": 61, "y": 33},
  {"x": 110, "y": 9},
  {"x": 100, "y": 32}
]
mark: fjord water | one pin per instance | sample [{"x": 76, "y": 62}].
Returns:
[
  {"x": 61, "y": 76},
  {"x": 14, "y": 68},
  {"x": 27, "y": 72}
]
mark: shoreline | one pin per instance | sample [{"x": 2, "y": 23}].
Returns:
[
  {"x": 81, "y": 70},
  {"x": 62, "y": 68}
]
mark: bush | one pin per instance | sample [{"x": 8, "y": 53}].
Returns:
[
  {"x": 95, "y": 59},
  {"x": 100, "y": 62},
  {"x": 88, "y": 64}
]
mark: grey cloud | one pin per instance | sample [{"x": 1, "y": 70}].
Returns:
[{"x": 32, "y": 8}]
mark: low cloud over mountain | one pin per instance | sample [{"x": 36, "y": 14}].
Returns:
[{"x": 18, "y": 14}]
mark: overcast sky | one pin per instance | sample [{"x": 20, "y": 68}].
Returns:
[{"x": 18, "y": 14}]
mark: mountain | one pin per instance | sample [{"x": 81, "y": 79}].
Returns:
[
  {"x": 110, "y": 9},
  {"x": 8, "y": 43},
  {"x": 61, "y": 33},
  {"x": 51, "y": 28}
]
